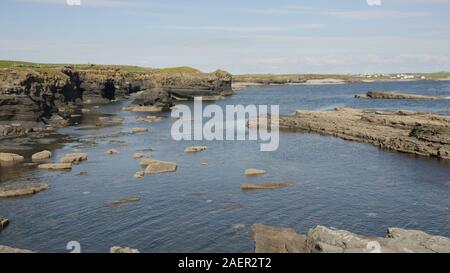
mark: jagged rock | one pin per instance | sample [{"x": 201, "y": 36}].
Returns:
[
  {"x": 9, "y": 159},
  {"x": 156, "y": 167},
  {"x": 55, "y": 166},
  {"x": 254, "y": 172},
  {"x": 195, "y": 149},
  {"x": 123, "y": 250},
  {"x": 74, "y": 158},
  {"x": 122, "y": 202},
  {"x": 156, "y": 97},
  {"x": 395, "y": 95},
  {"x": 265, "y": 186},
  {"x": 10, "y": 250},
  {"x": 139, "y": 130},
  {"x": 16, "y": 191},
  {"x": 112, "y": 152},
  {"x": 3, "y": 223},
  {"x": 44, "y": 155},
  {"x": 409, "y": 132},
  {"x": 327, "y": 240}
]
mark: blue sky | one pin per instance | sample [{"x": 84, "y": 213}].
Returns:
[{"x": 241, "y": 36}]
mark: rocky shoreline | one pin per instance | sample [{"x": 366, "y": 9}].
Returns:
[
  {"x": 329, "y": 240},
  {"x": 423, "y": 134}
]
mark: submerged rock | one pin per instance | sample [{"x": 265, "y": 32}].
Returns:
[
  {"x": 122, "y": 202},
  {"x": 265, "y": 186},
  {"x": 254, "y": 172},
  {"x": 403, "y": 131},
  {"x": 195, "y": 149},
  {"x": 149, "y": 119},
  {"x": 328, "y": 240},
  {"x": 138, "y": 155},
  {"x": 11, "y": 250},
  {"x": 9, "y": 159},
  {"x": 123, "y": 250},
  {"x": 44, "y": 155},
  {"x": 17, "y": 191},
  {"x": 55, "y": 166},
  {"x": 157, "y": 166}
]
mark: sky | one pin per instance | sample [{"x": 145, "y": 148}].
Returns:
[{"x": 240, "y": 36}]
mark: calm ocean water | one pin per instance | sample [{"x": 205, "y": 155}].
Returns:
[{"x": 338, "y": 183}]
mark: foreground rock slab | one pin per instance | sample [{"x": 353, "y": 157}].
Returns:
[
  {"x": 265, "y": 186},
  {"x": 44, "y": 155},
  {"x": 8, "y": 192},
  {"x": 11, "y": 250},
  {"x": 123, "y": 250},
  {"x": 328, "y": 240},
  {"x": 195, "y": 149},
  {"x": 55, "y": 166},
  {"x": 395, "y": 95},
  {"x": 8, "y": 159},
  {"x": 422, "y": 134},
  {"x": 74, "y": 158},
  {"x": 156, "y": 167}
]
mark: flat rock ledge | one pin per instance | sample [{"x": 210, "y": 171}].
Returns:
[
  {"x": 265, "y": 186},
  {"x": 11, "y": 250},
  {"x": 123, "y": 250},
  {"x": 395, "y": 95},
  {"x": 9, "y": 192},
  {"x": 44, "y": 155},
  {"x": 157, "y": 166},
  {"x": 328, "y": 240},
  {"x": 56, "y": 166},
  {"x": 8, "y": 159},
  {"x": 254, "y": 172},
  {"x": 74, "y": 158},
  {"x": 195, "y": 149},
  {"x": 411, "y": 132}
]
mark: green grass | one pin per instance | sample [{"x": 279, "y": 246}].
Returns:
[{"x": 121, "y": 68}]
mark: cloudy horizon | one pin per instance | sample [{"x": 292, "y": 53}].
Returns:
[{"x": 352, "y": 36}]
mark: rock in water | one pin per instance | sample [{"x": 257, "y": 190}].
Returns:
[
  {"x": 139, "y": 175},
  {"x": 138, "y": 155},
  {"x": 74, "y": 158},
  {"x": 112, "y": 152},
  {"x": 139, "y": 130},
  {"x": 328, "y": 240},
  {"x": 7, "y": 249},
  {"x": 157, "y": 166},
  {"x": 122, "y": 202},
  {"x": 8, "y": 159},
  {"x": 123, "y": 250},
  {"x": 149, "y": 119},
  {"x": 254, "y": 172},
  {"x": 265, "y": 186},
  {"x": 7, "y": 192},
  {"x": 395, "y": 95},
  {"x": 408, "y": 132},
  {"x": 44, "y": 155},
  {"x": 3, "y": 223},
  {"x": 277, "y": 240},
  {"x": 195, "y": 149},
  {"x": 56, "y": 166}
]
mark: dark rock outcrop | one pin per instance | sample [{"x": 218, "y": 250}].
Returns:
[
  {"x": 328, "y": 240},
  {"x": 395, "y": 95}
]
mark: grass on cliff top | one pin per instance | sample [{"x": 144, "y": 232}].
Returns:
[{"x": 121, "y": 68}]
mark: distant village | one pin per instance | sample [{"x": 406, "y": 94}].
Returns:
[{"x": 401, "y": 76}]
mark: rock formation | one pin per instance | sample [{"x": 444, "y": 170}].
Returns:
[
  {"x": 17, "y": 191},
  {"x": 423, "y": 134},
  {"x": 328, "y": 240},
  {"x": 265, "y": 186},
  {"x": 395, "y": 95},
  {"x": 11, "y": 250}
]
